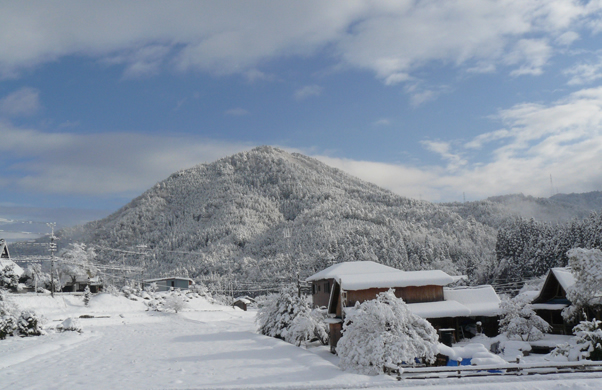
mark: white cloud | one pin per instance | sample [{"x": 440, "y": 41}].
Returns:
[
  {"x": 98, "y": 164},
  {"x": 391, "y": 39},
  {"x": 236, "y": 112},
  {"x": 23, "y": 102},
  {"x": 531, "y": 55},
  {"x": 584, "y": 73},
  {"x": 563, "y": 139},
  {"x": 308, "y": 91}
]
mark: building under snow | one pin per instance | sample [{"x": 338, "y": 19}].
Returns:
[
  {"x": 552, "y": 299},
  {"x": 340, "y": 286},
  {"x": 5, "y": 259}
]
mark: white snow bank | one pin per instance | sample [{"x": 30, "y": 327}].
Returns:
[
  {"x": 394, "y": 279},
  {"x": 477, "y": 352}
]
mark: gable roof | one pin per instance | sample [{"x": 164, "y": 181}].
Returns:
[
  {"x": 394, "y": 279},
  {"x": 556, "y": 276},
  {"x": 564, "y": 276},
  {"x": 351, "y": 268},
  {"x": 5, "y": 259}
]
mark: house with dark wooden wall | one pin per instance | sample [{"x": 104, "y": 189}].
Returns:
[
  {"x": 423, "y": 291},
  {"x": 322, "y": 282},
  {"x": 552, "y": 300}
]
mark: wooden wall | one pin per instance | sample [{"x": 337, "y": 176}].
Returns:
[
  {"x": 321, "y": 291},
  {"x": 408, "y": 294}
]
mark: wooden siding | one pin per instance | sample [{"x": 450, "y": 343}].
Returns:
[
  {"x": 408, "y": 294},
  {"x": 321, "y": 291}
]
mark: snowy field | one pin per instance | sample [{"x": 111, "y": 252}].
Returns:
[{"x": 204, "y": 347}]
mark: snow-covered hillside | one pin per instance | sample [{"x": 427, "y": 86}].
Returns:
[{"x": 268, "y": 214}]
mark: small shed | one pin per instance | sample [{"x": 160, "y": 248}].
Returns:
[
  {"x": 167, "y": 283},
  {"x": 243, "y": 302}
]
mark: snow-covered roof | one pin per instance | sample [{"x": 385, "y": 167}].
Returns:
[
  {"x": 481, "y": 300},
  {"x": 394, "y": 279},
  {"x": 167, "y": 278},
  {"x": 549, "y": 306},
  {"x": 351, "y": 268},
  {"x": 564, "y": 276},
  {"x": 18, "y": 270},
  {"x": 439, "y": 309}
]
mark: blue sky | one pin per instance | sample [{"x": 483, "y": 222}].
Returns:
[{"x": 431, "y": 99}]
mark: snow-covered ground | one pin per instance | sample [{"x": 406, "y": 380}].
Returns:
[{"x": 205, "y": 346}]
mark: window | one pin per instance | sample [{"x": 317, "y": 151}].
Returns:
[{"x": 327, "y": 287}]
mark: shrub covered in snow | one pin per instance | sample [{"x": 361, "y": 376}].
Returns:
[
  {"x": 87, "y": 295},
  {"x": 589, "y": 338},
  {"x": 174, "y": 302},
  {"x": 289, "y": 317},
  {"x": 307, "y": 326},
  {"x": 70, "y": 324},
  {"x": 586, "y": 266},
  {"x": 29, "y": 324},
  {"x": 8, "y": 325},
  {"x": 9, "y": 278},
  {"x": 384, "y": 332},
  {"x": 519, "y": 320}
]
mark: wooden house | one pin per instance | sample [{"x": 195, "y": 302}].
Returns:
[
  {"x": 167, "y": 283},
  {"x": 79, "y": 284},
  {"x": 322, "y": 282},
  {"x": 423, "y": 291},
  {"x": 552, "y": 300}
]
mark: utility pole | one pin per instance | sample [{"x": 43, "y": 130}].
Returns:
[{"x": 52, "y": 250}]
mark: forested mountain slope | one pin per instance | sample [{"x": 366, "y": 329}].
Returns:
[
  {"x": 268, "y": 214},
  {"x": 500, "y": 210}
]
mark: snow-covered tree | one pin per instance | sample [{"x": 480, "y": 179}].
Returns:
[
  {"x": 174, "y": 302},
  {"x": 518, "y": 319},
  {"x": 8, "y": 277},
  {"x": 586, "y": 266},
  {"x": 384, "y": 332},
  {"x": 307, "y": 326},
  {"x": 29, "y": 324},
  {"x": 8, "y": 319},
  {"x": 87, "y": 295},
  {"x": 76, "y": 261},
  {"x": 278, "y": 312},
  {"x": 589, "y": 339}
]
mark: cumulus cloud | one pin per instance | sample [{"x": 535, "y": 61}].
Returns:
[
  {"x": 23, "y": 102},
  {"x": 99, "y": 164},
  {"x": 308, "y": 91},
  {"x": 390, "y": 39}
]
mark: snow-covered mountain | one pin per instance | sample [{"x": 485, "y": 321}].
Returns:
[
  {"x": 499, "y": 210},
  {"x": 268, "y": 214}
]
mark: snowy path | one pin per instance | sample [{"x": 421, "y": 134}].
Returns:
[
  {"x": 169, "y": 351},
  {"x": 206, "y": 347}
]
